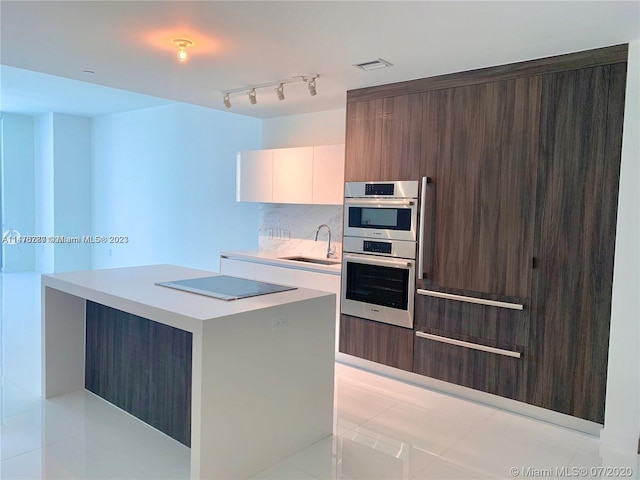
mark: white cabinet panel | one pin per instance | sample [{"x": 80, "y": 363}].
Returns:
[
  {"x": 268, "y": 273},
  {"x": 237, "y": 268},
  {"x": 304, "y": 175},
  {"x": 292, "y": 175},
  {"x": 254, "y": 176},
  {"x": 328, "y": 175}
]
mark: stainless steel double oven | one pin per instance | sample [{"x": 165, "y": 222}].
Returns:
[{"x": 379, "y": 251}]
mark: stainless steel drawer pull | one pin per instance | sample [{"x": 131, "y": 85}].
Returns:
[
  {"x": 475, "y": 346},
  {"x": 462, "y": 298}
]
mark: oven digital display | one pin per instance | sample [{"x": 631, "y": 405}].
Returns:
[{"x": 376, "y": 247}]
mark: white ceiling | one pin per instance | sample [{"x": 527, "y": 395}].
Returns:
[{"x": 241, "y": 43}]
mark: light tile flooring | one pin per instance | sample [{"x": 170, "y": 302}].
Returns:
[{"x": 383, "y": 429}]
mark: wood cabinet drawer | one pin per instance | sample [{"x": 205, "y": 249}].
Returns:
[
  {"x": 489, "y": 366},
  {"x": 375, "y": 341},
  {"x": 489, "y": 317}
]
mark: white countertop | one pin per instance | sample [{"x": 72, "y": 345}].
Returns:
[
  {"x": 269, "y": 257},
  {"x": 133, "y": 290}
]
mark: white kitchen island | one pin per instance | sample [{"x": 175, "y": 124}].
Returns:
[{"x": 262, "y": 368}]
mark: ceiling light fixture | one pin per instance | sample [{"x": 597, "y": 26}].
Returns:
[
  {"x": 373, "y": 65},
  {"x": 252, "y": 96},
  {"x": 182, "y": 44},
  {"x": 250, "y": 90}
]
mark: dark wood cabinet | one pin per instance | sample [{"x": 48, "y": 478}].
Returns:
[
  {"x": 505, "y": 321},
  {"x": 480, "y": 148},
  {"x": 462, "y": 364},
  {"x": 362, "y": 144},
  {"x": 524, "y": 164},
  {"x": 141, "y": 366},
  {"x": 383, "y": 139},
  {"x": 578, "y": 171},
  {"x": 375, "y": 341}
]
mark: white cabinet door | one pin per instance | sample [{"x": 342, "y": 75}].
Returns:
[
  {"x": 254, "y": 176},
  {"x": 237, "y": 268},
  {"x": 292, "y": 175},
  {"x": 328, "y": 175},
  {"x": 272, "y": 274}
]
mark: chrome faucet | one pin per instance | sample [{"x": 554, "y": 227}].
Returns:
[{"x": 330, "y": 252}]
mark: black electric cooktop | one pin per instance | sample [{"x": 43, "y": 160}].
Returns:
[{"x": 224, "y": 287}]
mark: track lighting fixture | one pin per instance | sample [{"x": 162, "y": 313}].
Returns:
[
  {"x": 311, "y": 84},
  {"x": 250, "y": 90},
  {"x": 182, "y": 45}
]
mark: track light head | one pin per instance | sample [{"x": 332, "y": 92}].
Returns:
[
  {"x": 252, "y": 96},
  {"x": 280, "y": 91},
  {"x": 311, "y": 84},
  {"x": 227, "y": 100}
]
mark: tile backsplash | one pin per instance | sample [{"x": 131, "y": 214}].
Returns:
[{"x": 291, "y": 228}]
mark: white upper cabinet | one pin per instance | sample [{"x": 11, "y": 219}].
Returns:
[
  {"x": 254, "y": 176},
  {"x": 328, "y": 174},
  {"x": 292, "y": 175}
]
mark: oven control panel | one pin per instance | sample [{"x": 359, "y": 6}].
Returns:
[{"x": 377, "y": 247}]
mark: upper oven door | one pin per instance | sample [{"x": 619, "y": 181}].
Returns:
[
  {"x": 381, "y": 218},
  {"x": 378, "y": 288}
]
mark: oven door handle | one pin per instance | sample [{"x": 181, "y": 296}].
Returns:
[
  {"x": 379, "y": 202},
  {"x": 373, "y": 260},
  {"x": 423, "y": 196}
]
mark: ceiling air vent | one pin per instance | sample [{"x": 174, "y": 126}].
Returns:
[{"x": 373, "y": 65}]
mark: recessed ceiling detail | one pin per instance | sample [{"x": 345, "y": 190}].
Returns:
[{"x": 373, "y": 65}]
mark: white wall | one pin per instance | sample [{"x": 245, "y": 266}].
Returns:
[
  {"x": 165, "y": 178},
  {"x": 622, "y": 413},
  {"x": 301, "y": 221},
  {"x": 72, "y": 189},
  {"x": 320, "y": 128},
  {"x": 44, "y": 189},
  {"x": 18, "y": 192}
]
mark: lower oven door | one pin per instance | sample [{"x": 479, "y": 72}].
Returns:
[{"x": 378, "y": 288}]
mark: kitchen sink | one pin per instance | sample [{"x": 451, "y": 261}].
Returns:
[{"x": 319, "y": 261}]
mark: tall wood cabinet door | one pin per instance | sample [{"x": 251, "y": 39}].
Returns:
[
  {"x": 578, "y": 172},
  {"x": 400, "y": 137},
  {"x": 479, "y": 146},
  {"x": 362, "y": 149}
]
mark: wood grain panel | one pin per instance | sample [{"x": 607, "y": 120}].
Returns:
[
  {"x": 378, "y": 342},
  {"x": 141, "y": 366},
  {"x": 570, "y": 61},
  {"x": 484, "y": 371},
  {"x": 477, "y": 321},
  {"x": 401, "y": 131},
  {"x": 362, "y": 144},
  {"x": 479, "y": 146},
  {"x": 581, "y": 129}
]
